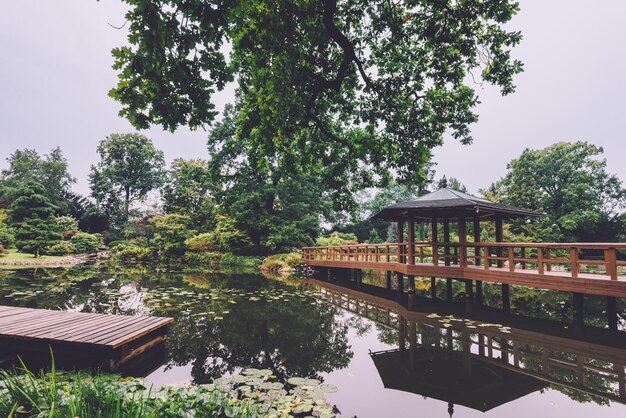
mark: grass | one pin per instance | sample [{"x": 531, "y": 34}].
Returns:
[
  {"x": 56, "y": 394},
  {"x": 12, "y": 256}
]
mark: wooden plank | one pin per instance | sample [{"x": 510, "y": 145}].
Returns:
[{"x": 75, "y": 327}]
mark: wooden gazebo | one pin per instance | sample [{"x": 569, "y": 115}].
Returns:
[{"x": 442, "y": 207}]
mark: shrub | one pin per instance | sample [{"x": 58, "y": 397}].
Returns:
[
  {"x": 61, "y": 248},
  {"x": 115, "y": 243},
  {"x": 66, "y": 223},
  {"x": 337, "y": 238},
  {"x": 293, "y": 259},
  {"x": 170, "y": 234},
  {"x": 2, "y": 250},
  {"x": 86, "y": 243},
  {"x": 131, "y": 253},
  {"x": 273, "y": 265},
  {"x": 6, "y": 233},
  {"x": 202, "y": 243}
]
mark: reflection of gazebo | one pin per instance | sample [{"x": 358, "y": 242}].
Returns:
[
  {"x": 452, "y": 377},
  {"x": 441, "y": 207}
]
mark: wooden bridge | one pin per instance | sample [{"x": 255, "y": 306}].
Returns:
[
  {"x": 586, "y": 268},
  {"x": 579, "y": 268},
  {"x": 80, "y": 339},
  {"x": 593, "y": 361}
]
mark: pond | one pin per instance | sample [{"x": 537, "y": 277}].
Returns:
[{"x": 385, "y": 360}]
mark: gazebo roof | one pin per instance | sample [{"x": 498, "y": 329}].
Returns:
[
  {"x": 445, "y": 375},
  {"x": 450, "y": 203}
]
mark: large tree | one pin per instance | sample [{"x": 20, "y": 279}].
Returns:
[
  {"x": 569, "y": 184},
  {"x": 278, "y": 209},
  {"x": 187, "y": 191},
  {"x": 33, "y": 215},
  {"x": 50, "y": 170},
  {"x": 363, "y": 88},
  {"x": 129, "y": 168}
]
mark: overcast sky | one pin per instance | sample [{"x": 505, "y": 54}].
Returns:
[{"x": 55, "y": 72}]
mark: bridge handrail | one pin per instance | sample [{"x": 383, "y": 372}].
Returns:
[{"x": 514, "y": 255}]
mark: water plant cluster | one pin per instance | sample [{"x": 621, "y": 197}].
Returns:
[{"x": 252, "y": 393}]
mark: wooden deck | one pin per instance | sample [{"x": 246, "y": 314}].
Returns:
[
  {"x": 564, "y": 267},
  {"x": 109, "y": 340}
]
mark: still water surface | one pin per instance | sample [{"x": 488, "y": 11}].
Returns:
[{"x": 387, "y": 360}]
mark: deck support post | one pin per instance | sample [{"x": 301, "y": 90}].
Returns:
[
  {"x": 433, "y": 288},
  {"x": 388, "y": 277},
  {"x": 449, "y": 294},
  {"x": 412, "y": 342},
  {"x": 611, "y": 311},
  {"x": 411, "y": 290},
  {"x": 506, "y": 299},
  {"x": 578, "y": 300},
  {"x": 479, "y": 292},
  {"x": 400, "y": 283},
  {"x": 401, "y": 333}
]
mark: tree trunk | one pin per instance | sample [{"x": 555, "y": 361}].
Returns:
[{"x": 126, "y": 203}]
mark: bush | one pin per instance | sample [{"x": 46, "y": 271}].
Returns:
[
  {"x": 2, "y": 250},
  {"x": 115, "y": 243},
  {"x": 66, "y": 223},
  {"x": 202, "y": 243},
  {"x": 131, "y": 253},
  {"x": 86, "y": 243},
  {"x": 272, "y": 264},
  {"x": 293, "y": 259},
  {"x": 337, "y": 238},
  {"x": 61, "y": 248},
  {"x": 278, "y": 262},
  {"x": 6, "y": 233}
]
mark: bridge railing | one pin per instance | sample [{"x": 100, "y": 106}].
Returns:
[{"x": 575, "y": 258}]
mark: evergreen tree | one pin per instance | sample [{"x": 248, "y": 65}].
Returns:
[{"x": 33, "y": 215}]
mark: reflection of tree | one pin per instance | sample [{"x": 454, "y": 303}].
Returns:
[{"x": 292, "y": 337}]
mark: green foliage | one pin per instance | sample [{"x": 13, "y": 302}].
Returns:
[
  {"x": 129, "y": 168},
  {"x": 278, "y": 209},
  {"x": 131, "y": 252},
  {"x": 50, "y": 171},
  {"x": 368, "y": 87},
  {"x": 170, "y": 233},
  {"x": 569, "y": 184},
  {"x": 58, "y": 395},
  {"x": 61, "y": 248},
  {"x": 337, "y": 238},
  {"x": 34, "y": 220},
  {"x": 281, "y": 262},
  {"x": 224, "y": 238},
  {"x": 66, "y": 223},
  {"x": 187, "y": 192},
  {"x": 84, "y": 242},
  {"x": 6, "y": 232}
]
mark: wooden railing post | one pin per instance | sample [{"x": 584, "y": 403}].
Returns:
[
  {"x": 548, "y": 264},
  {"x": 523, "y": 256},
  {"x": 540, "y": 260},
  {"x": 573, "y": 259},
  {"x": 511, "y": 254},
  {"x": 610, "y": 260},
  {"x": 486, "y": 257}
]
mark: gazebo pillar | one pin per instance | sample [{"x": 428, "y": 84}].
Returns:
[
  {"x": 434, "y": 238},
  {"x": 400, "y": 239},
  {"x": 479, "y": 284},
  {"x": 462, "y": 227},
  {"x": 411, "y": 256},
  {"x": 446, "y": 240},
  {"x": 506, "y": 301}
]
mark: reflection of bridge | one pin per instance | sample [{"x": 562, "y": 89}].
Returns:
[{"x": 522, "y": 357}]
